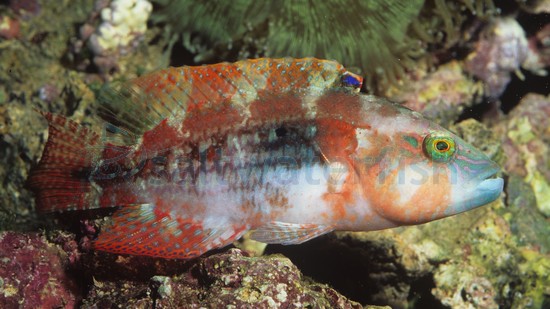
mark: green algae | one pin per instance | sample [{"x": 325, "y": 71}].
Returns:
[
  {"x": 541, "y": 189},
  {"x": 483, "y": 248},
  {"x": 523, "y": 132},
  {"x": 536, "y": 271}
]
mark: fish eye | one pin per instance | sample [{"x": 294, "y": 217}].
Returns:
[
  {"x": 442, "y": 145},
  {"x": 439, "y": 147}
]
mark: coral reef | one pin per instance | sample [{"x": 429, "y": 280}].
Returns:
[
  {"x": 470, "y": 290},
  {"x": 40, "y": 44},
  {"x": 111, "y": 37},
  {"x": 539, "y": 52},
  {"x": 502, "y": 50}
]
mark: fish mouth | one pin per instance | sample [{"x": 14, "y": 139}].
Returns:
[
  {"x": 483, "y": 189},
  {"x": 494, "y": 184},
  {"x": 490, "y": 187}
]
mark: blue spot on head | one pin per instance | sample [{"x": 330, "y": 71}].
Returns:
[{"x": 351, "y": 80}]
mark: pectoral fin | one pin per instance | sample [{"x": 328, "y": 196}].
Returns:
[{"x": 288, "y": 233}]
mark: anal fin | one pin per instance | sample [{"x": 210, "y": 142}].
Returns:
[
  {"x": 288, "y": 233},
  {"x": 141, "y": 230}
]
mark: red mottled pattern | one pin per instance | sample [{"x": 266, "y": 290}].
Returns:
[
  {"x": 193, "y": 87},
  {"x": 225, "y": 95}
]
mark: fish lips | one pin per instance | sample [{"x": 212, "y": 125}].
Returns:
[
  {"x": 490, "y": 186},
  {"x": 487, "y": 189}
]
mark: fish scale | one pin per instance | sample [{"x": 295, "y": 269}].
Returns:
[{"x": 287, "y": 149}]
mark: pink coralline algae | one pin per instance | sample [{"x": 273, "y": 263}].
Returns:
[{"x": 32, "y": 273}]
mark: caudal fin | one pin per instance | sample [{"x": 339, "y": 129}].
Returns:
[{"x": 61, "y": 179}]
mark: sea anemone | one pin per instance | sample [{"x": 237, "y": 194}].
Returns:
[{"x": 381, "y": 38}]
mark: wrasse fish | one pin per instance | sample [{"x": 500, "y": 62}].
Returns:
[{"x": 285, "y": 148}]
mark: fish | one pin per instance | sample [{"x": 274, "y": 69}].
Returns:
[{"x": 194, "y": 157}]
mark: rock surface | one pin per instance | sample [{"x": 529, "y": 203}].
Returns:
[{"x": 225, "y": 279}]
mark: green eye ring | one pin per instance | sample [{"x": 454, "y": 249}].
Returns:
[{"x": 439, "y": 147}]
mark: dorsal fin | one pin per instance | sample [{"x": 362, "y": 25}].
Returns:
[
  {"x": 141, "y": 104},
  {"x": 127, "y": 112}
]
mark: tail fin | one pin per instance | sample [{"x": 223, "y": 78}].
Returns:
[{"x": 61, "y": 179}]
